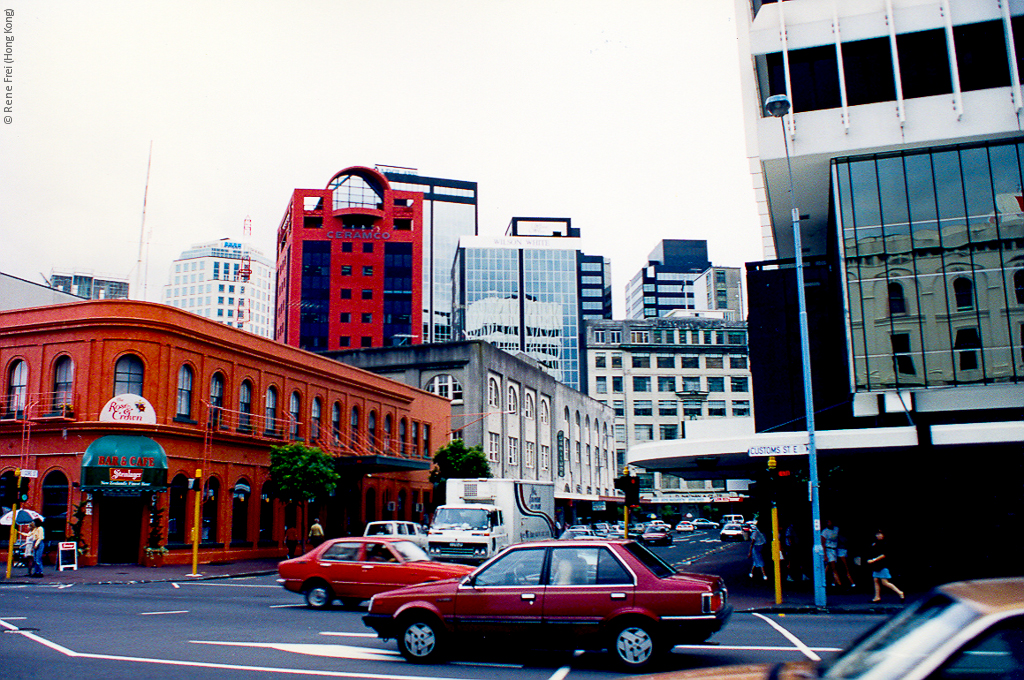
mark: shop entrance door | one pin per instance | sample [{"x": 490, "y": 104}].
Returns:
[{"x": 120, "y": 529}]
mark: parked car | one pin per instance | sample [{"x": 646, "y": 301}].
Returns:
[
  {"x": 685, "y": 527},
  {"x": 577, "y": 531},
  {"x": 602, "y": 529},
  {"x": 412, "y": 531},
  {"x": 702, "y": 523},
  {"x": 656, "y": 535},
  {"x": 599, "y": 594},
  {"x": 355, "y": 569},
  {"x": 733, "y": 532},
  {"x": 971, "y": 629}
]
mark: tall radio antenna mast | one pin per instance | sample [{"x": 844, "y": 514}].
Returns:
[{"x": 139, "y": 276}]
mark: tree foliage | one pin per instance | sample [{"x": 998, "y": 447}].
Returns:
[
  {"x": 302, "y": 473},
  {"x": 455, "y": 459}
]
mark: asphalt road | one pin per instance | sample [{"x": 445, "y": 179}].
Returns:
[{"x": 235, "y": 628}]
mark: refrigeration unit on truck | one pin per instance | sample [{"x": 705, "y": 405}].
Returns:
[{"x": 482, "y": 516}]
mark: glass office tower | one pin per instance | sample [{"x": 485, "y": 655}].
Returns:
[
  {"x": 449, "y": 213},
  {"x": 521, "y": 293}
]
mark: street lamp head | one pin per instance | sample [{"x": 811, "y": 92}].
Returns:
[{"x": 778, "y": 105}]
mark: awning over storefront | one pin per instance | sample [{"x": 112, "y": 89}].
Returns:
[
  {"x": 375, "y": 464},
  {"x": 124, "y": 463}
]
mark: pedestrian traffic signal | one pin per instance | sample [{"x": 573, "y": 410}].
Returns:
[{"x": 630, "y": 487}]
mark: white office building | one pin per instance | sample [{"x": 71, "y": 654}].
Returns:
[{"x": 210, "y": 279}]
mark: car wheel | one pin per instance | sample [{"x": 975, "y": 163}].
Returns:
[
  {"x": 319, "y": 596},
  {"x": 419, "y": 640},
  {"x": 634, "y": 645}
]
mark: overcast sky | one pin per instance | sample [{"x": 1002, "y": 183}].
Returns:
[{"x": 623, "y": 115}]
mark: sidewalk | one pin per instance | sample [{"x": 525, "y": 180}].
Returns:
[{"x": 744, "y": 594}]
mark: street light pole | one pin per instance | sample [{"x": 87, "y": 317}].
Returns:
[{"x": 778, "y": 106}]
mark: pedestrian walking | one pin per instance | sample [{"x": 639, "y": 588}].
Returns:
[
  {"x": 830, "y": 540},
  {"x": 316, "y": 533},
  {"x": 291, "y": 540},
  {"x": 880, "y": 567},
  {"x": 27, "y": 549},
  {"x": 756, "y": 552},
  {"x": 38, "y": 543}
]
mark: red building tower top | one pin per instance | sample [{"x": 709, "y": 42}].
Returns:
[{"x": 349, "y": 265}]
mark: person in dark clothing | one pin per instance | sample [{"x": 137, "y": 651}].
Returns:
[
  {"x": 291, "y": 540},
  {"x": 880, "y": 567}
]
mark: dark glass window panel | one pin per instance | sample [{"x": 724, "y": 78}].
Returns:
[
  {"x": 924, "y": 63},
  {"x": 963, "y": 291},
  {"x": 897, "y": 302},
  {"x": 867, "y": 69},
  {"x": 981, "y": 56}
]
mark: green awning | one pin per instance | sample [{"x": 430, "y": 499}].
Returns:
[{"x": 124, "y": 462}]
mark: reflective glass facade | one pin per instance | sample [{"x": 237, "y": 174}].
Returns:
[
  {"x": 933, "y": 249},
  {"x": 522, "y": 300}
]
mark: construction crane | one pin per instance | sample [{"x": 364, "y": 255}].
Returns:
[{"x": 244, "y": 274}]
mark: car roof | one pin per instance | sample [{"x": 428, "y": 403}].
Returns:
[{"x": 991, "y": 596}]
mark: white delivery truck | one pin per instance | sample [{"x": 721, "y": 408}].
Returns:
[{"x": 482, "y": 516}]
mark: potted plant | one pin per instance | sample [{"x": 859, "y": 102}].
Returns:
[{"x": 155, "y": 549}]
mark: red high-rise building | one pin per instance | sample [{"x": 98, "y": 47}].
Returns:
[{"x": 349, "y": 265}]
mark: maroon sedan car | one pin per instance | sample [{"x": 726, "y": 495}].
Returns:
[
  {"x": 585, "y": 594},
  {"x": 354, "y": 569}
]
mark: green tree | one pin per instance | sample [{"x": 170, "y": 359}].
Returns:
[
  {"x": 302, "y": 473},
  {"x": 455, "y": 459}
]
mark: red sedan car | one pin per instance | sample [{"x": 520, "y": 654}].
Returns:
[
  {"x": 585, "y": 594},
  {"x": 354, "y": 569}
]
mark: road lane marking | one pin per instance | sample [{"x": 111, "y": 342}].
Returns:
[
  {"x": 214, "y": 584},
  {"x": 332, "y": 651},
  {"x": 789, "y": 636},
  {"x": 219, "y": 666},
  {"x": 340, "y": 634},
  {"x": 177, "y": 611},
  {"x": 756, "y": 648},
  {"x": 282, "y": 606}
]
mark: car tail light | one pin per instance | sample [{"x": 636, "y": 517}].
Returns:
[{"x": 713, "y": 601}]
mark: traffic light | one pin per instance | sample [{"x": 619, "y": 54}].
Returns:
[
  {"x": 630, "y": 486},
  {"x": 23, "y": 490}
]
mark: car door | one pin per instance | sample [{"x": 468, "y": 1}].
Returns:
[
  {"x": 586, "y": 584},
  {"x": 339, "y": 565},
  {"x": 380, "y": 568},
  {"x": 504, "y": 599}
]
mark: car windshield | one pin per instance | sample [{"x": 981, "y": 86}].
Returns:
[
  {"x": 410, "y": 552},
  {"x": 460, "y": 518},
  {"x": 900, "y": 644},
  {"x": 658, "y": 567},
  {"x": 378, "y": 530}
]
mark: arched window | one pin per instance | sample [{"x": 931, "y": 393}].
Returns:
[
  {"x": 577, "y": 437},
  {"x": 63, "y": 383},
  {"x": 545, "y": 413},
  {"x": 401, "y": 504},
  {"x": 897, "y": 302},
  {"x": 245, "y": 406},
  {"x": 336, "y": 422},
  {"x": 314, "y": 419},
  {"x": 446, "y": 386},
  {"x": 403, "y": 435},
  {"x": 17, "y": 389},
  {"x": 371, "y": 505},
  {"x": 493, "y": 393},
  {"x": 426, "y": 440},
  {"x": 55, "y": 505},
  {"x": 388, "y": 433},
  {"x": 371, "y": 428},
  {"x": 295, "y": 411},
  {"x": 270, "y": 410},
  {"x": 528, "y": 406},
  {"x": 177, "y": 509},
  {"x": 963, "y": 292},
  {"x": 513, "y": 400},
  {"x": 184, "y": 409},
  {"x": 353, "y": 426},
  {"x": 128, "y": 375},
  {"x": 211, "y": 496},
  {"x": 354, "y": 190},
  {"x": 240, "y": 511},
  {"x": 216, "y": 399}
]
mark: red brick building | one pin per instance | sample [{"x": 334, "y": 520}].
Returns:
[
  {"x": 201, "y": 396},
  {"x": 350, "y": 265}
]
